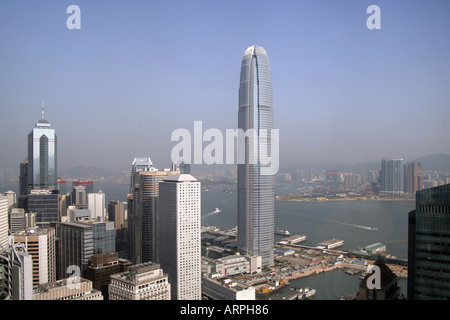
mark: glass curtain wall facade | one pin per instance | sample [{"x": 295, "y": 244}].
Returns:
[
  {"x": 42, "y": 171},
  {"x": 255, "y": 189},
  {"x": 135, "y": 219},
  {"x": 429, "y": 245}
]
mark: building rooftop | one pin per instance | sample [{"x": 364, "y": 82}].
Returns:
[
  {"x": 180, "y": 178},
  {"x": 35, "y": 231}
]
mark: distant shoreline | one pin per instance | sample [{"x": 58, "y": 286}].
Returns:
[{"x": 295, "y": 198}]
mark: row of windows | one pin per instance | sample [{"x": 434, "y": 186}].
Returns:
[{"x": 426, "y": 208}]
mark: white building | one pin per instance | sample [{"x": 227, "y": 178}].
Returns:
[
  {"x": 144, "y": 281},
  {"x": 12, "y": 199},
  {"x": 179, "y": 211},
  {"x": 96, "y": 203},
  {"x": 4, "y": 221},
  {"x": 227, "y": 289}
]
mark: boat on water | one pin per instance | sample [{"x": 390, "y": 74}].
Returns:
[
  {"x": 306, "y": 294},
  {"x": 217, "y": 210},
  {"x": 282, "y": 232}
]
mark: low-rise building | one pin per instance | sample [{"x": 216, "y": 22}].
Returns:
[
  {"x": 144, "y": 281},
  {"x": 226, "y": 289},
  {"x": 72, "y": 288}
]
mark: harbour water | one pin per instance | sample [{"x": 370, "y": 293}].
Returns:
[{"x": 319, "y": 221}]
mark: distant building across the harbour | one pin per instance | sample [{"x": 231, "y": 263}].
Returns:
[{"x": 391, "y": 177}]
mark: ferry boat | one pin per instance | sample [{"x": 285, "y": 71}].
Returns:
[{"x": 282, "y": 232}]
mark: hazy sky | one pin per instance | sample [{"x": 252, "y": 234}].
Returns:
[{"x": 138, "y": 70}]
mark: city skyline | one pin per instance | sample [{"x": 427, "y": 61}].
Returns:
[{"x": 344, "y": 93}]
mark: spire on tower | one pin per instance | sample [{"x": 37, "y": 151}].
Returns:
[{"x": 42, "y": 109}]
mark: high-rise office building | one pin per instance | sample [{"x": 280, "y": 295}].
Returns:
[
  {"x": 96, "y": 202},
  {"x": 46, "y": 205},
  {"x": 413, "y": 177},
  {"x": 16, "y": 272},
  {"x": 79, "y": 196},
  {"x": 391, "y": 177},
  {"x": 42, "y": 158},
  {"x": 179, "y": 210},
  {"x": 428, "y": 245},
  {"x": 142, "y": 213},
  {"x": 23, "y": 178},
  {"x": 116, "y": 213},
  {"x": 81, "y": 239},
  {"x": 19, "y": 219},
  {"x": 76, "y": 247},
  {"x": 134, "y": 220},
  {"x": 4, "y": 227},
  {"x": 88, "y": 185},
  {"x": 256, "y": 187},
  {"x": 40, "y": 243},
  {"x": 138, "y": 165},
  {"x": 146, "y": 204},
  {"x": 62, "y": 186}
]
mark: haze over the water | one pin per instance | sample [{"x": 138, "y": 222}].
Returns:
[{"x": 136, "y": 71}]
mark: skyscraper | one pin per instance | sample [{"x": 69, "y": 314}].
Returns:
[
  {"x": 81, "y": 239},
  {"x": 42, "y": 169},
  {"x": 391, "y": 177},
  {"x": 16, "y": 273},
  {"x": 88, "y": 185},
  {"x": 142, "y": 213},
  {"x": 255, "y": 187},
  {"x": 413, "y": 177},
  {"x": 179, "y": 210},
  {"x": 96, "y": 202},
  {"x": 116, "y": 213},
  {"x": 428, "y": 245},
  {"x": 46, "y": 205},
  {"x": 40, "y": 243},
  {"x": 3, "y": 221},
  {"x": 134, "y": 215},
  {"x": 146, "y": 204},
  {"x": 23, "y": 178}
]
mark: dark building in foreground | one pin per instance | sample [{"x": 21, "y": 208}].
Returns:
[
  {"x": 388, "y": 285},
  {"x": 102, "y": 266},
  {"x": 429, "y": 245}
]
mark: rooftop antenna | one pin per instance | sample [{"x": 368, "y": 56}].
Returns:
[{"x": 42, "y": 109}]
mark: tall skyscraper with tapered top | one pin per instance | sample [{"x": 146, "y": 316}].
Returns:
[
  {"x": 255, "y": 183},
  {"x": 42, "y": 171}
]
